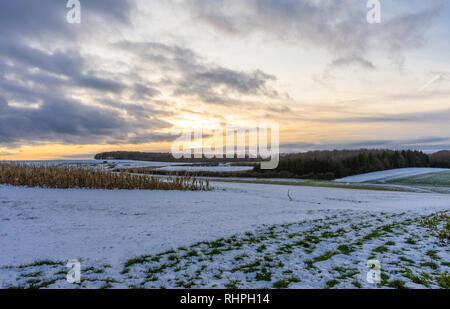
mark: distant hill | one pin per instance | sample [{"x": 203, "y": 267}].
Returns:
[{"x": 440, "y": 159}]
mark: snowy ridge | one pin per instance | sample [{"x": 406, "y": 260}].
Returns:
[{"x": 390, "y": 174}]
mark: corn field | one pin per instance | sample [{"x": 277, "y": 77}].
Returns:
[{"x": 78, "y": 177}]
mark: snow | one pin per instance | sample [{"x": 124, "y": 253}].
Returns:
[
  {"x": 307, "y": 254},
  {"x": 390, "y": 174},
  {"x": 102, "y": 227},
  {"x": 105, "y": 164},
  {"x": 219, "y": 168},
  {"x": 121, "y": 164}
]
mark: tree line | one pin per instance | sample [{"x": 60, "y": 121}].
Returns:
[
  {"x": 326, "y": 165},
  {"x": 342, "y": 163}
]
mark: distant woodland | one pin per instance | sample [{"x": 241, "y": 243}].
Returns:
[
  {"x": 326, "y": 165},
  {"x": 164, "y": 157}
]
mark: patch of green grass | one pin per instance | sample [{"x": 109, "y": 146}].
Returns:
[
  {"x": 429, "y": 179},
  {"x": 346, "y": 249},
  {"x": 433, "y": 254},
  {"x": 402, "y": 258},
  {"x": 184, "y": 284},
  {"x": 264, "y": 276},
  {"x": 326, "y": 256},
  {"x": 331, "y": 284},
  {"x": 217, "y": 244},
  {"x": 432, "y": 265},
  {"x": 311, "y": 239},
  {"x": 357, "y": 284},
  {"x": 410, "y": 241},
  {"x": 247, "y": 268},
  {"x": 240, "y": 257},
  {"x": 268, "y": 258},
  {"x": 191, "y": 253},
  {"x": 39, "y": 284},
  {"x": 261, "y": 248},
  {"x": 384, "y": 278},
  {"x": 138, "y": 260},
  {"x": 281, "y": 284},
  {"x": 347, "y": 273},
  {"x": 232, "y": 285},
  {"x": 32, "y": 275},
  {"x": 396, "y": 284},
  {"x": 380, "y": 249},
  {"x": 41, "y": 263},
  {"x": 167, "y": 252},
  {"x": 416, "y": 279},
  {"x": 374, "y": 234},
  {"x": 443, "y": 280},
  {"x": 214, "y": 252},
  {"x": 158, "y": 269}
]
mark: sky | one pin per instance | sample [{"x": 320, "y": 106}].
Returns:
[{"x": 133, "y": 71}]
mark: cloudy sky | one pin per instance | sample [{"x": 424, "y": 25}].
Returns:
[{"x": 131, "y": 71}]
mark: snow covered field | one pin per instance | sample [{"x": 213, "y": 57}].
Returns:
[
  {"x": 219, "y": 168},
  {"x": 106, "y": 164},
  {"x": 390, "y": 174},
  {"x": 239, "y": 235},
  {"x": 124, "y": 164}
]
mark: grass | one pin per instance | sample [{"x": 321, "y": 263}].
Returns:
[
  {"x": 137, "y": 260},
  {"x": 41, "y": 263},
  {"x": 410, "y": 241},
  {"x": 416, "y": 279},
  {"x": 264, "y": 276},
  {"x": 444, "y": 280},
  {"x": 58, "y": 177},
  {"x": 439, "y": 224},
  {"x": 346, "y": 249},
  {"x": 396, "y": 284},
  {"x": 232, "y": 285},
  {"x": 356, "y": 284},
  {"x": 331, "y": 284},
  {"x": 432, "y": 265},
  {"x": 281, "y": 284},
  {"x": 253, "y": 259},
  {"x": 430, "y": 179},
  {"x": 381, "y": 249},
  {"x": 326, "y": 256}
]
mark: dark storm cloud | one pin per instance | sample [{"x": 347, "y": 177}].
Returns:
[
  {"x": 41, "y": 69},
  {"x": 98, "y": 83},
  {"x": 39, "y": 19},
  {"x": 337, "y": 26},
  {"x": 57, "y": 117},
  {"x": 69, "y": 64},
  {"x": 59, "y": 120},
  {"x": 245, "y": 83},
  {"x": 188, "y": 74}
]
